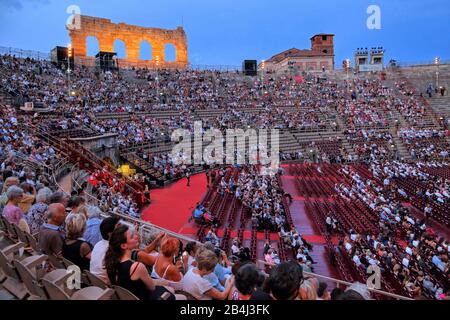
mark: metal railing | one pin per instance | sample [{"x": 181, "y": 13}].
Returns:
[
  {"x": 19, "y": 53},
  {"x": 122, "y": 63},
  {"x": 403, "y": 64},
  {"x": 220, "y": 68}
]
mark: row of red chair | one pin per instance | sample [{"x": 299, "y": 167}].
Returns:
[
  {"x": 443, "y": 172},
  {"x": 440, "y": 212}
]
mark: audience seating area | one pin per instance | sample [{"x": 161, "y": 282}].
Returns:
[{"x": 341, "y": 138}]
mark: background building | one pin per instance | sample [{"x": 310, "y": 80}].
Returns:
[{"x": 318, "y": 58}]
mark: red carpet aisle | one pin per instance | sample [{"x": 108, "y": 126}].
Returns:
[
  {"x": 308, "y": 230},
  {"x": 172, "y": 206}
]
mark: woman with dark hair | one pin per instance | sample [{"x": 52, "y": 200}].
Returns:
[
  {"x": 245, "y": 282},
  {"x": 75, "y": 202},
  {"x": 336, "y": 293},
  {"x": 124, "y": 272},
  {"x": 29, "y": 195}
]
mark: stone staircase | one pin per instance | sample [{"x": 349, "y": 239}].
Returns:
[
  {"x": 422, "y": 76},
  {"x": 402, "y": 123},
  {"x": 340, "y": 122},
  {"x": 440, "y": 105},
  {"x": 430, "y": 119},
  {"x": 130, "y": 76},
  {"x": 347, "y": 146},
  {"x": 5, "y": 99},
  {"x": 400, "y": 147}
]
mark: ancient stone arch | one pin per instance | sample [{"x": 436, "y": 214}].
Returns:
[{"x": 107, "y": 32}]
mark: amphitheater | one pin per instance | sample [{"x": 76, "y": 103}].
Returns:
[{"x": 363, "y": 184}]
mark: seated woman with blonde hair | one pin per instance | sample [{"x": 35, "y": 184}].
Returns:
[
  {"x": 75, "y": 248},
  {"x": 200, "y": 288}
]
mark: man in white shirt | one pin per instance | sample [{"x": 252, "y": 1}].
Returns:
[
  {"x": 405, "y": 261},
  {"x": 348, "y": 246},
  {"x": 372, "y": 261},
  {"x": 235, "y": 248},
  {"x": 410, "y": 220},
  {"x": 428, "y": 210},
  {"x": 408, "y": 250},
  {"x": 356, "y": 259},
  {"x": 296, "y": 241},
  {"x": 97, "y": 267}
]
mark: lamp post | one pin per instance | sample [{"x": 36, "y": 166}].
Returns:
[
  {"x": 69, "y": 57},
  {"x": 347, "y": 66},
  {"x": 394, "y": 151},
  {"x": 437, "y": 61},
  {"x": 263, "y": 66},
  {"x": 157, "y": 78}
]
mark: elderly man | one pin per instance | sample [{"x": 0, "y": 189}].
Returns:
[
  {"x": 60, "y": 197},
  {"x": 51, "y": 236},
  {"x": 36, "y": 214},
  {"x": 92, "y": 233}
]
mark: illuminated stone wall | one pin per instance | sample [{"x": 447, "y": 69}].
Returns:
[{"x": 107, "y": 32}]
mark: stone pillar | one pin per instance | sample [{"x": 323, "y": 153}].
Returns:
[
  {"x": 181, "y": 47},
  {"x": 181, "y": 53},
  {"x": 158, "y": 51},
  {"x": 132, "y": 45},
  {"x": 78, "y": 41}
]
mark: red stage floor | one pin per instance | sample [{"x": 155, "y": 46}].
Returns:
[{"x": 172, "y": 206}]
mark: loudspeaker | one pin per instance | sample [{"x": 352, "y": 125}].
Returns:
[
  {"x": 105, "y": 60},
  {"x": 59, "y": 56},
  {"x": 249, "y": 67}
]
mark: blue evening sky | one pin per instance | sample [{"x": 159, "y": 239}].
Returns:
[{"x": 225, "y": 32}]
